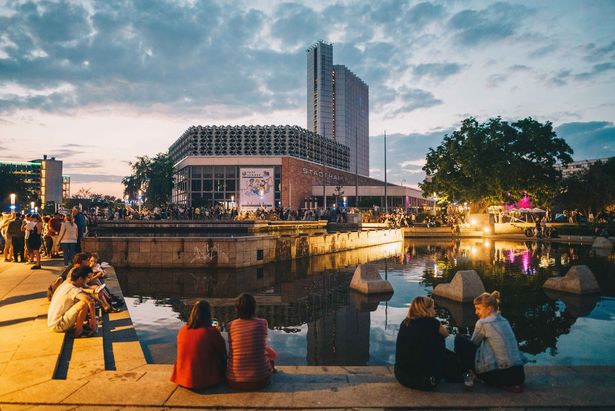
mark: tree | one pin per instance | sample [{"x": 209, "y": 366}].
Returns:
[
  {"x": 591, "y": 190},
  {"x": 153, "y": 177},
  {"x": 496, "y": 161}
]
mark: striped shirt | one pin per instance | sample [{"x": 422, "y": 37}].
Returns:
[{"x": 247, "y": 340}]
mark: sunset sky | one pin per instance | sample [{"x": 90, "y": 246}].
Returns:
[{"x": 97, "y": 83}]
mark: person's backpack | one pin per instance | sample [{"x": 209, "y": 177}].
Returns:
[{"x": 54, "y": 286}]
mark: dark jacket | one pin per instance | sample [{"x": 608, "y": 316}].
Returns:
[
  {"x": 81, "y": 222},
  {"x": 419, "y": 354},
  {"x": 14, "y": 228}
]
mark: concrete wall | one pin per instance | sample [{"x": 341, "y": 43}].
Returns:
[{"x": 229, "y": 252}]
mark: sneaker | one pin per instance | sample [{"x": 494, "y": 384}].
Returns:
[{"x": 35, "y": 267}]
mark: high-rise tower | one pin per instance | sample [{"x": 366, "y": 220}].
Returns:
[{"x": 338, "y": 105}]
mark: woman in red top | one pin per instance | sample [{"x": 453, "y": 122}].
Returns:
[
  {"x": 201, "y": 351},
  {"x": 249, "y": 364}
]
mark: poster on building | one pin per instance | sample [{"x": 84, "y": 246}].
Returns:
[{"x": 256, "y": 187}]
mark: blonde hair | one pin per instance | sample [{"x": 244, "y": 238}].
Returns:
[
  {"x": 489, "y": 300},
  {"x": 419, "y": 308}
]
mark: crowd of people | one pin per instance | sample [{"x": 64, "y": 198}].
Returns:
[
  {"x": 27, "y": 237},
  {"x": 422, "y": 361}
]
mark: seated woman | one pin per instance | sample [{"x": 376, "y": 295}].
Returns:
[
  {"x": 420, "y": 350},
  {"x": 493, "y": 352},
  {"x": 201, "y": 351},
  {"x": 249, "y": 365}
]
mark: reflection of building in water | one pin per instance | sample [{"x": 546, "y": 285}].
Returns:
[{"x": 340, "y": 337}]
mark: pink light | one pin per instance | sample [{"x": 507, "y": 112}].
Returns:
[
  {"x": 526, "y": 259},
  {"x": 511, "y": 256},
  {"x": 525, "y": 202}
]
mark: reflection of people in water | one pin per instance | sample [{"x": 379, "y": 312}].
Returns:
[{"x": 492, "y": 352}]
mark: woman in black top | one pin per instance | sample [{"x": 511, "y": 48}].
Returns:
[{"x": 420, "y": 350}]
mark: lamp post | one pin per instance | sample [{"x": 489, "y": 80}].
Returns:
[
  {"x": 435, "y": 199},
  {"x": 31, "y": 206},
  {"x": 13, "y": 201},
  {"x": 140, "y": 200},
  {"x": 232, "y": 201}
]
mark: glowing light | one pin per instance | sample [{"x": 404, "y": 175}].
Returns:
[
  {"x": 474, "y": 251},
  {"x": 473, "y": 222},
  {"x": 486, "y": 230},
  {"x": 487, "y": 244}
]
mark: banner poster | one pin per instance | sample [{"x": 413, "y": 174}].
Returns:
[{"x": 256, "y": 188}]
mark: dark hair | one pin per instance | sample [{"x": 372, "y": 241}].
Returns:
[
  {"x": 200, "y": 316},
  {"x": 246, "y": 306},
  {"x": 79, "y": 272},
  {"x": 79, "y": 258}
]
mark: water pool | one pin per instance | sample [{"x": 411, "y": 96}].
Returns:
[{"x": 315, "y": 319}]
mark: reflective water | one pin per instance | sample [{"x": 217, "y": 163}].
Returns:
[{"x": 317, "y": 320}]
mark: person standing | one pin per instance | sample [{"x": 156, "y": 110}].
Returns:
[
  {"x": 492, "y": 352},
  {"x": 35, "y": 228},
  {"x": 201, "y": 351},
  {"x": 8, "y": 241},
  {"x": 81, "y": 222},
  {"x": 55, "y": 225},
  {"x": 69, "y": 234},
  {"x": 17, "y": 238}
]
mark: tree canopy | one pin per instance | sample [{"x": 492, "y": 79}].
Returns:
[
  {"x": 590, "y": 190},
  {"x": 153, "y": 177},
  {"x": 497, "y": 161}
]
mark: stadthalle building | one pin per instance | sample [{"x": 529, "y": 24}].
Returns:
[{"x": 289, "y": 166}]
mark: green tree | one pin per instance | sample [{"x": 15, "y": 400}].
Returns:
[
  {"x": 591, "y": 190},
  {"x": 496, "y": 161},
  {"x": 153, "y": 177}
]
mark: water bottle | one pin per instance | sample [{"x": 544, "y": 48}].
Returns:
[{"x": 468, "y": 380}]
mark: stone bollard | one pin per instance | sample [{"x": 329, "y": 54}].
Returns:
[
  {"x": 578, "y": 280},
  {"x": 602, "y": 243},
  {"x": 367, "y": 280},
  {"x": 466, "y": 286}
]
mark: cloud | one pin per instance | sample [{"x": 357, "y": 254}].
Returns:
[
  {"x": 82, "y": 164},
  {"x": 543, "y": 51},
  {"x": 439, "y": 71},
  {"x": 594, "y": 139},
  {"x": 413, "y": 99},
  {"x": 94, "y": 178},
  {"x": 494, "y": 23},
  {"x": 596, "y": 70},
  {"x": 413, "y": 163}
]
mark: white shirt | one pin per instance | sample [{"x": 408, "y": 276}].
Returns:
[
  {"x": 69, "y": 232},
  {"x": 63, "y": 299}
]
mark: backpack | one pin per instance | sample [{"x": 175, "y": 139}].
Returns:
[{"x": 54, "y": 286}]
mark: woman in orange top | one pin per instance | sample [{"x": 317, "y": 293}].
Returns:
[
  {"x": 249, "y": 365},
  {"x": 201, "y": 351}
]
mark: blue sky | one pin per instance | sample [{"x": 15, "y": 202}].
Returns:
[{"x": 97, "y": 83}]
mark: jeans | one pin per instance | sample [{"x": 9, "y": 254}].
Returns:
[
  {"x": 18, "y": 246},
  {"x": 69, "y": 250}
]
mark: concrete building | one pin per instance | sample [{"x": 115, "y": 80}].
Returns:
[
  {"x": 338, "y": 105},
  {"x": 272, "y": 166},
  {"x": 580, "y": 166},
  {"x": 42, "y": 177}
]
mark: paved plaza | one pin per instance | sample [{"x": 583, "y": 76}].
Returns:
[{"x": 42, "y": 370}]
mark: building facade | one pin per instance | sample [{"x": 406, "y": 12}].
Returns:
[
  {"x": 268, "y": 166},
  {"x": 351, "y": 117},
  {"x": 42, "y": 177},
  {"x": 576, "y": 167},
  {"x": 338, "y": 105}
]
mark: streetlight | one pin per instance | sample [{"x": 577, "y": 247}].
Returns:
[
  {"x": 140, "y": 200},
  {"x": 435, "y": 199},
  {"x": 345, "y": 200},
  {"x": 31, "y": 206},
  {"x": 13, "y": 202}
]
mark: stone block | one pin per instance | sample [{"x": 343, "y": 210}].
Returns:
[
  {"x": 367, "y": 280},
  {"x": 602, "y": 243},
  {"x": 466, "y": 286},
  {"x": 578, "y": 280}
]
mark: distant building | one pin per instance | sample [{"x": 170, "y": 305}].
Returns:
[
  {"x": 42, "y": 176},
  {"x": 576, "y": 167},
  {"x": 338, "y": 105}
]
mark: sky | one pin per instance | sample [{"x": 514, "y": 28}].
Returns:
[{"x": 97, "y": 83}]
